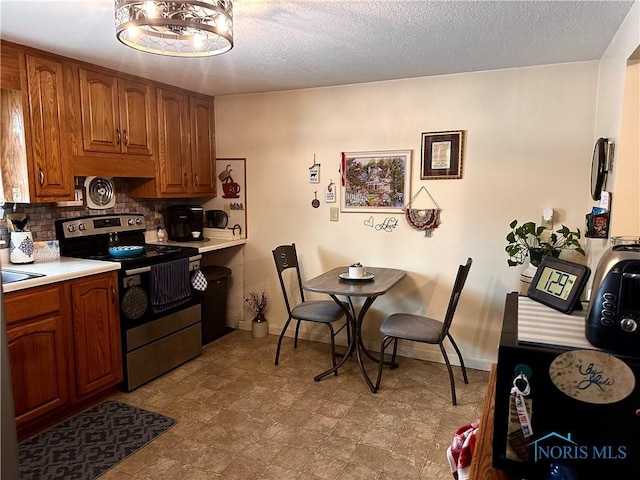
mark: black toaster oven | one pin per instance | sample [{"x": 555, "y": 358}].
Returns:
[{"x": 613, "y": 315}]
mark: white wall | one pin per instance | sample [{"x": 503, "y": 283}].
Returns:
[{"x": 529, "y": 135}]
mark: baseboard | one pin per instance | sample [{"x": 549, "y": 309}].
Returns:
[{"x": 421, "y": 351}]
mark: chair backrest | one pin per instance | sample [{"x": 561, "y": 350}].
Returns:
[
  {"x": 461, "y": 278},
  {"x": 286, "y": 257}
]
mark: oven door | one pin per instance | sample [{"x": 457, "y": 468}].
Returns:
[
  {"x": 135, "y": 297},
  {"x": 155, "y": 342}
]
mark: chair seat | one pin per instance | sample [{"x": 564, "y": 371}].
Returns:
[
  {"x": 412, "y": 327},
  {"x": 321, "y": 311}
]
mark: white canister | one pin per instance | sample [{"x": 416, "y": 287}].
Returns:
[{"x": 21, "y": 249}]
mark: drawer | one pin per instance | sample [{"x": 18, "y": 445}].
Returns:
[{"x": 31, "y": 303}]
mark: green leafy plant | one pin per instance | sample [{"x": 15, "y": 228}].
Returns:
[
  {"x": 564, "y": 239},
  {"x": 525, "y": 241},
  {"x": 522, "y": 240}
]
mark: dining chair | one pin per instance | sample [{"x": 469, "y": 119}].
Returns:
[
  {"x": 417, "y": 328},
  {"x": 319, "y": 311}
]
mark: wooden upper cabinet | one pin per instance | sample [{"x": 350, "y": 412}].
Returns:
[
  {"x": 51, "y": 171},
  {"x": 96, "y": 333},
  {"x": 136, "y": 120},
  {"x": 174, "y": 154},
  {"x": 203, "y": 148},
  {"x": 116, "y": 114}
]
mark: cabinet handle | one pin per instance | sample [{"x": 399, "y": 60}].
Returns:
[
  {"x": 197, "y": 182},
  {"x": 41, "y": 175},
  {"x": 186, "y": 180},
  {"x": 126, "y": 137},
  {"x": 113, "y": 295},
  {"x": 117, "y": 136}
]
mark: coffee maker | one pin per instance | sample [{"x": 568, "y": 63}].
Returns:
[{"x": 184, "y": 222}]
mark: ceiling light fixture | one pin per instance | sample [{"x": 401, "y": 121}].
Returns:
[{"x": 178, "y": 29}]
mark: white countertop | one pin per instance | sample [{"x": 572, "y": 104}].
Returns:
[
  {"x": 65, "y": 268},
  {"x": 207, "y": 245}
]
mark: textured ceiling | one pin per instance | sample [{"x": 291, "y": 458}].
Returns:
[{"x": 283, "y": 45}]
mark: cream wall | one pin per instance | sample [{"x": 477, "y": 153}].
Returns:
[
  {"x": 608, "y": 123},
  {"x": 529, "y": 135}
]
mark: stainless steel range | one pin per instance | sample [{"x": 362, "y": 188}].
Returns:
[{"x": 160, "y": 314}]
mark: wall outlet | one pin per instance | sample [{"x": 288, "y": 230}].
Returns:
[{"x": 333, "y": 214}]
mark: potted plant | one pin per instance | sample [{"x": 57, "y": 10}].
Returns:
[
  {"x": 525, "y": 241},
  {"x": 563, "y": 239},
  {"x": 257, "y": 301}
]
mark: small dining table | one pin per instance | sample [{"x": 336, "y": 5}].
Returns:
[{"x": 377, "y": 282}]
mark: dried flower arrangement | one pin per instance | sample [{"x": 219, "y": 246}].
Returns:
[{"x": 257, "y": 301}]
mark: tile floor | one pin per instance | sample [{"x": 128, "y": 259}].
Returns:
[{"x": 242, "y": 418}]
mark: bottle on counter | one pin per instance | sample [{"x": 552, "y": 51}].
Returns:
[{"x": 161, "y": 233}]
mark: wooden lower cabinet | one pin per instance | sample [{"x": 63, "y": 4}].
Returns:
[
  {"x": 64, "y": 349},
  {"x": 97, "y": 351},
  {"x": 37, "y": 352}
]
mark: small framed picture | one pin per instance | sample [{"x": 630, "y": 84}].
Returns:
[{"x": 442, "y": 155}]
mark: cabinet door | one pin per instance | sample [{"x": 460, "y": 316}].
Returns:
[
  {"x": 203, "y": 148},
  {"x": 175, "y": 170},
  {"x": 38, "y": 367},
  {"x": 96, "y": 332},
  {"x": 136, "y": 119},
  {"x": 51, "y": 171},
  {"x": 99, "y": 112}
]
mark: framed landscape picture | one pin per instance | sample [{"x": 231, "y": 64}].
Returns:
[
  {"x": 375, "y": 181},
  {"x": 442, "y": 155}
]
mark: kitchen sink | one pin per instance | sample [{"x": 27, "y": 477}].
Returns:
[{"x": 10, "y": 276}]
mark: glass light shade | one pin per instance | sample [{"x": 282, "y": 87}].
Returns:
[{"x": 178, "y": 29}]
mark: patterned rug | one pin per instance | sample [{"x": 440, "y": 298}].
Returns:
[{"x": 87, "y": 445}]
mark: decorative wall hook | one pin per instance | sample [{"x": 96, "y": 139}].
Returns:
[{"x": 314, "y": 171}]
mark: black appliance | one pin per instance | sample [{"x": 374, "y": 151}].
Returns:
[
  {"x": 613, "y": 315},
  {"x": 596, "y": 436},
  {"x": 154, "y": 339},
  {"x": 184, "y": 222}
]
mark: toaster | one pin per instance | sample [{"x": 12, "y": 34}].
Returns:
[{"x": 613, "y": 314}]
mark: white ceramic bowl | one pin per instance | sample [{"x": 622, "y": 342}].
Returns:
[{"x": 195, "y": 234}]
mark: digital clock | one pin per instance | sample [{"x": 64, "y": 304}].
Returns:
[{"x": 559, "y": 284}]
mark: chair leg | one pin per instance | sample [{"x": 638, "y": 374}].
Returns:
[
  {"x": 333, "y": 347},
  {"x": 284, "y": 329},
  {"x": 451, "y": 379},
  {"x": 464, "y": 370},
  {"x": 393, "y": 357},
  {"x": 383, "y": 346},
  {"x": 295, "y": 340}
]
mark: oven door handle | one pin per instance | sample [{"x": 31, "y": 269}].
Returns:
[{"x": 136, "y": 271}]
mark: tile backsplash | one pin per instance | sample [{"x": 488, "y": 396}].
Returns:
[{"x": 42, "y": 216}]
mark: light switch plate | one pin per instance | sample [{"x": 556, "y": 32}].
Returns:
[{"x": 333, "y": 214}]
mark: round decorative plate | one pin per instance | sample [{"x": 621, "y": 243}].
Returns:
[
  {"x": 592, "y": 376},
  {"x": 366, "y": 278},
  {"x": 126, "y": 251}
]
